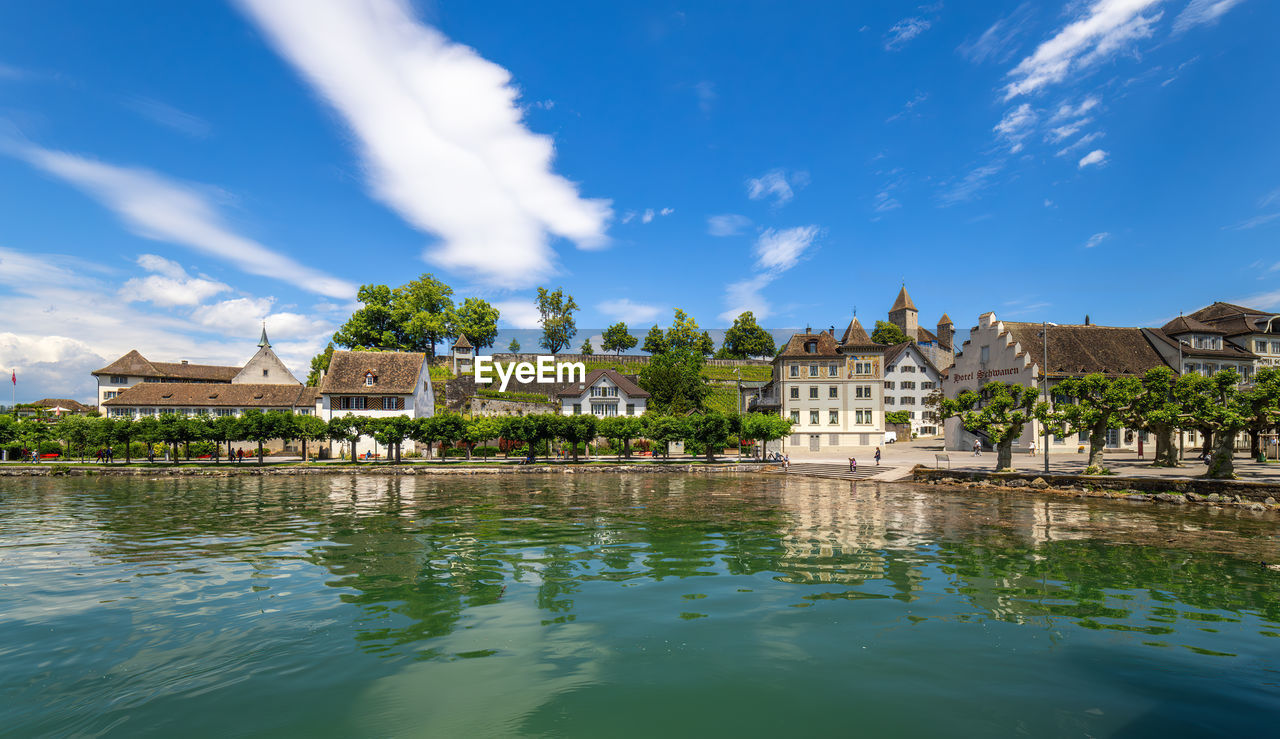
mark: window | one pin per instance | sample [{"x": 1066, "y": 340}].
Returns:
[
  {"x": 631, "y": 409},
  {"x": 604, "y": 409},
  {"x": 888, "y": 384},
  {"x": 908, "y": 385},
  {"x": 118, "y": 380},
  {"x": 392, "y": 404},
  {"x": 604, "y": 392},
  {"x": 862, "y": 391},
  {"x": 926, "y": 386},
  {"x": 811, "y": 347},
  {"x": 908, "y": 400},
  {"x": 120, "y": 412},
  {"x": 813, "y": 370},
  {"x": 813, "y": 418},
  {"x": 351, "y": 403},
  {"x": 264, "y": 373},
  {"x": 1258, "y": 346},
  {"x": 862, "y": 416},
  {"x": 1275, "y": 347},
  {"x": 795, "y": 440},
  {"x": 890, "y": 368},
  {"x": 889, "y": 401},
  {"x": 368, "y": 379},
  {"x": 833, "y": 370},
  {"x": 577, "y": 409},
  {"x": 833, "y": 417},
  {"x": 795, "y": 416},
  {"x": 833, "y": 392},
  {"x": 108, "y": 395},
  {"x": 813, "y": 392},
  {"x": 302, "y": 411},
  {"x": 224, "y": 411},
  {"x": 909, "y": 368},
  {"x": 795, "y": 392},
  {"x": 795, "y": 370},
  {"x": 861, "y": 368}
]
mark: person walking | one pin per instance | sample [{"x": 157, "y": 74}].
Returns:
[
  {"x": 977, "y": 448},
  {"x": 1031, "y": 448},
  {"x": 97, "y": 456},
  {"x": 853, "y": 465},
  {"x": 786, "y": 463},
  {"x": 877, "y": 456},
  {"x": 111, "y": 454}
]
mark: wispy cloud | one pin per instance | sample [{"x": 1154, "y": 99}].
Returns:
[
  {"x": 1096, "y": 239},
  {"x": 1096, "y": 157},
  {"x": 747, "y": 295},
  {"x": 776, "y": 184},
  {"x": 1000, "y": 41},
  {"x": 971, "y": 184},
  {"x": 908, "y": 107},
  {"x": 1201, "y": 12},
  {"x": 1254, "y": 222},
  {"x": 170, "y": 117},
  {"x": 781, "y": 250},
  {"x": 884, "y": 202},
  {"x": 625, "y": 309},
  {"x": 905, "y": 30},
  {"x": 1104, "y": 28},
  {"x": 706, "y": 92},
  {"x": 1066, "y": 110},
  {"x": 1016, "y": 124},
  {"x": 727, "y": 224},
  {"x": 158, "y": 208},
  {"x": 518, "y": 313},
  {"x": 441, "y": 135},
  {"x": 1081, "y": 142},
  {"x": 169, "y": 284}
]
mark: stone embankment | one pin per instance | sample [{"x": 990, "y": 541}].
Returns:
[
  {"x": 54, "y": 470},
  {"x": 1173, "y": 491}
]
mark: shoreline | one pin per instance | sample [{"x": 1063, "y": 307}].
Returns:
[{"x": 409, "y": 470}]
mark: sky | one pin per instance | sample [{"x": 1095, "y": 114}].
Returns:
[{"x": 174, "y": 174}]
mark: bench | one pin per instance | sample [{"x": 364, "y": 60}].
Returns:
[
  {"x": 50, "y": 456},
  {"x": 938, "y": 459}
]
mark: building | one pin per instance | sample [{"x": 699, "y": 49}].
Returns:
[
  {"x": 464, "y": 356},
  {"x": 376, "y": 385},
  {"x": 604, "y": 393},
  {"x": 263, "y": 383},
  {"x": 833, "y": 391},
  {"x": 1250, "y": 329},
  {"x": 54, "y": 408},
  {"x": 937, "y": 348},
  {"x": 1189, "y": 346},
  {"x": 909, "y": 381}
]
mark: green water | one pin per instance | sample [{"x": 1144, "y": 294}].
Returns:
[{"x": 608, "y": 606}]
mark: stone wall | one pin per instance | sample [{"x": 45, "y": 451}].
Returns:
[{"x": 1192, "y": 489}]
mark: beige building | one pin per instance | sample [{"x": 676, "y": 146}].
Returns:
[
  {"x": 833, "y": 391},
  {"x": 1255, "y": 331}
]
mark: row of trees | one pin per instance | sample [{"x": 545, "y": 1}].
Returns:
[
  {"x": 1160, "y": 402},
  {"x": 83, "y": 435}
]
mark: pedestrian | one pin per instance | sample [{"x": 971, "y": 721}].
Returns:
[
  {"x": 97, "y": 455},
  {"x": 853, "y": 464},
  {"x": 786, "y": 463},
  {"x": 877, "y": 456},
  {"x": 151, "y": 454},
  {"x": 1031, "y": 448},
  {"x": 977, "y": 448},
  {"x": 111, "y": 454},
  {"x": 239, "y": 455}
]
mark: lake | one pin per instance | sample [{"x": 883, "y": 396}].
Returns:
[{"x": 626, "y": 605}]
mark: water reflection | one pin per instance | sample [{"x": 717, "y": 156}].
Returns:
[{"x": 435, "y": 595}]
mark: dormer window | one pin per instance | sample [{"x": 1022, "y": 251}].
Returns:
[
  {"x": 811, "y": 347},
  {"x": 264, "y": 373},
  {"x": 368, "y": 379}
]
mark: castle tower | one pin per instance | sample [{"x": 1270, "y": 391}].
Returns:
[
  {"x": 464, "y": 355},
  {"x": 946, "y": 332},
  {"x": 904, "y": 315}
]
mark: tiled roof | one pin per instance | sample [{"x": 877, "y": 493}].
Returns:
[
  {"x": 894, "y": 352},
  {"x": 134, "y": 364},
  {"x": 1228, "y": 350},
  {"x": 1185, "y": 325},
  {"x": 393, "y": 372},
  {"x": 462, "y": 342},
  {"x": 855, "y": 333},
  {"x": 624, "y": 383},
  {"x": 903, "y": 302},
  {"x": 71, "y": 405},
  {"x": 826, "y": 346},
  {"x": 1085, "y": 349},
  {"x": 188, "y": 395},
  {"x": 945, "y": 320}
]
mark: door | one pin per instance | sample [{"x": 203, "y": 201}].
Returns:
[
  {"x": 1113, "y": 438},
  {"x": 813, "y": 442}
]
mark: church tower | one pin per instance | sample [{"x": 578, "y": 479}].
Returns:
[{"x": 904, "y": 315}]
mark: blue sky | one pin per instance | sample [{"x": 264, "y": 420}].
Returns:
[{"x": 171, "y": 174}]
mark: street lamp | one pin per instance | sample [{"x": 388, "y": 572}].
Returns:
[
  {"x": 1044, "y": 384},
  {"x": 1182, "y": 435}
]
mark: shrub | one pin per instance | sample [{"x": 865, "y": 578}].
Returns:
[{"x": 485, "y": 451}]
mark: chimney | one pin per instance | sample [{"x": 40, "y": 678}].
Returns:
[
  {"x": 184, "y": 361},
  {"x": 1086, "y": 319},
  {"x": 808, "y": 329}
]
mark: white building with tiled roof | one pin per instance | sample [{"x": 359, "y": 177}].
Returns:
[
  {"x": 909, "y": 379},
  {"x": 377, "y": 385},
  {"x": 604, "y": 393}
]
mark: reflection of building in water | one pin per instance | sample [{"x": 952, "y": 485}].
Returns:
[{"x": 371, "y": 494}]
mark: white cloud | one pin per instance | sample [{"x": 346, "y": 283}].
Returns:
[
  {"x": 518, "y": 313},
  {"x": 706, "y": 92},
  {"x": 440, "y": 132},
  {"x": 1096, "y": 239},
  {"x": 1097, "y": 156},
  {"x": 999, "y": 41},
  {"x": 155, "y": 207},
  {"x": 746, "y": 296},
  {"x": 972, "y": 183},
  {"x": 648, "y": 215},
  {"x": 1201, "y": 12},
  {"x": 780, "y": 250},
  {"x": 1015, "y": 126},
  {"x": 170, "y": 117},
  {"x": 666, "y": 211},
  {"x": 728, "y": 224},
  {"x": 1103, "y": 29},
  {"x": 884, "y": 202},
  {"x": 1084, "y": 140},
  {"x": 170, "y": 284},
  {"x": 625, "y": 309},
  {"x": 903, "y": 31},
  {"x": 1269, "y": 198},
  {"x": 1067, "y": 110},
  {"x": 776, "y": 184},
  {"x": 1067, "y": 131}
]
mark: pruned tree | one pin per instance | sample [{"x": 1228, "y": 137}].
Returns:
[
  {"x": 1219, "y": 407},
  {"x": 674, "y": 381},
  {"x": 1156, "y": 410},
  {"x": 621, "y": 429},
  {"x": 575, "y": 430},
  {"x": 1093, "y": 404},
  {"x": 712, "y": 429},
  {"x": 998, "y": 411}
]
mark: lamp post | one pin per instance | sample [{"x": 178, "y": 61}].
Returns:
[
  {"x": 1182, "y": 435},
  {"x": 1044, "y": 384}
]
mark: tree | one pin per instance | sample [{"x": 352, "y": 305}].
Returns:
[
  {"x": 447, "y": 428},
  {"x": 522, "y": 429},
  {"x": 655, "y": 342},
  {"x": 764, "y": 427},
  {"x": 897, "y": 417},
  {"x": 422, "y": 311},
  {"x": 477, "y": 320},
  {"x": 586, "y": 347},
  {"x": 1156, "y": 410},
  {"x": 310, "y": 428},
  {"x": 514, "y": 346},
  {"x": 33, "y": 432},
  {"x": 1095, "y": 403},
  {"x": 1262, "y": 406},
  {"x": 373, "y": 326},
  {"x": 391, "y": 433},
  {"x": 706, "y": 345},
  {"x": 347, "y": 429},
  {"x": 617, "y": 339},
  {"x": 674, "y": 381},
  {"x": 662, "y": 430},
  {"x": 125, "y": 430},
  {"x": 621, "y": 429},
  {"x": 556, "y": 316},
  {"x": 683, "y": 333},
  {"x": 745, "y": 339},
  {"x": 148, "y": 432},
  {"x": 575, "y": 430},
  {"x": 173, "y": 429},
  {"x": 226, "y": 429},
  {"x": 8, "y": 430},
  {"x": 712, "y": 429},
  {"x": 74, "y": 430},
  {"x": 998, "y": 411},
  {"x": 103, "y": 432},
  {"x": 320, "y": 365},
  {"x": 478, "y": 429},
  {"x": 888, "y": 333},
  {"x": 258, "y": 427},
  {"x": 1220, "y": 408}
]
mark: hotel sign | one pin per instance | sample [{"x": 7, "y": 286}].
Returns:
[{"x": 985, "y": 374}]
